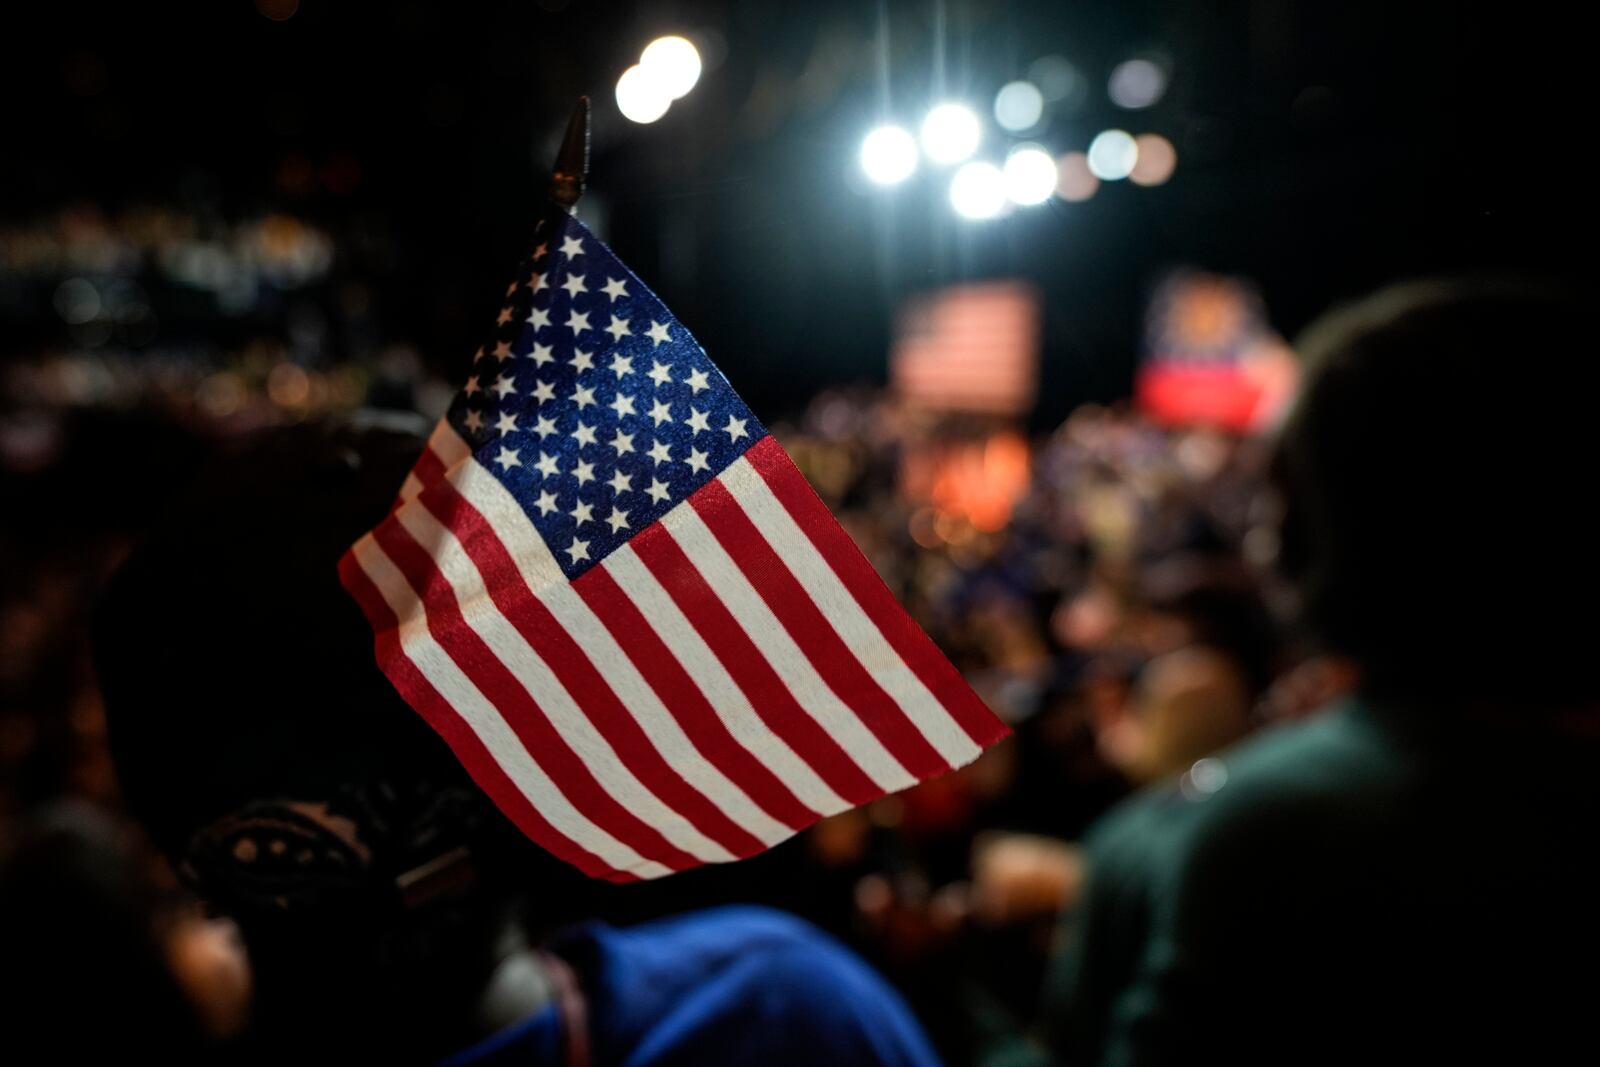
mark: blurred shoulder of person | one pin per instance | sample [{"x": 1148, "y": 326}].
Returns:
[
  {"x": 1405, "y": 876},
  {"x": 390, "y": 912}
]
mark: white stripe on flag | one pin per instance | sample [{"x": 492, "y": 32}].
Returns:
[
  {"x": 837, "y": 604},
  {"x": 716, "y": 685},
  {"x": 448, "y": 445},
  {"x": 534, "y": 675},
  {"x": 444, "y": 450},
  {"x": 544, "y": 578},
  {"x": 781, "y": 652},
  {"x": 485, "y": 721}
]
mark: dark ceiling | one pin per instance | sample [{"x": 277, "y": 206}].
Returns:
[{"x": 1324, "y": 148}]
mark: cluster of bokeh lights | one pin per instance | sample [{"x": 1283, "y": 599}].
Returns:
[
  {"x": 951, "y": 135},
  {"x": 667, "y": 69}
]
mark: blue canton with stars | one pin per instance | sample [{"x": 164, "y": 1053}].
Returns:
[{"x": 592, "y": 404}]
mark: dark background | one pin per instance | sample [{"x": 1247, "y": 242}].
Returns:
[{"x": 1324, "y": 148}]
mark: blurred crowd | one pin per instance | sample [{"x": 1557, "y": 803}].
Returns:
[
  {"x": 1105, "y": 589},
  {"x": 1099, "y": 585},
  {"x": 1118, "y": 590}
]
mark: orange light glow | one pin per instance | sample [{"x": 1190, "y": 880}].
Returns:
[{"x": 979, "y": 482}]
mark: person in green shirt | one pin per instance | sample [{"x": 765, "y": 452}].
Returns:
[{"x": 1406, "y": 876}]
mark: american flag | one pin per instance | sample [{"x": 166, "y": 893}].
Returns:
[
  {"x": 971, "y": 348},
  {"x": 611, "y": 592}
]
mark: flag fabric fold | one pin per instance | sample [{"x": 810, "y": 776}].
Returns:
[{"x": 616, "y": 598}]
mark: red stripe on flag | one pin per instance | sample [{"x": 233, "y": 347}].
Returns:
[
  {"x": 577, "y": 673},
  {"x": 766, "y": 692},
  {"x": 821, "y": 643},
  {"x": 684, "y": 700},
  {"x": 538, "y": 736},
  {"x": 427, "y": 701},
  {"x": 429, "y": 468},
  {"x": 904, "y": 636}
]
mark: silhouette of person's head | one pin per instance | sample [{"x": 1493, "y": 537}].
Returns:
[
  {"x": 270, "y": 759},
  {"x": 1436, "y": 493}
]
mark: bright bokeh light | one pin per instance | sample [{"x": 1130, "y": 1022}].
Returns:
[
  {"x": 640, "y": 97},
  {"x": 1136, "y": 83},
  {"x": 950, "y": 133},
  {"x": 1075, "y": 182},
  {"x": 1018, "y": 106},
  {"x": 888, "y": 155},
  {"x": 1030, "y": 175},
  {"x": 1157, "y": 160},
  {"x": 978, "y": 191},
  {"x": 1112, "y": 155},
  {"x": 673, "y": 63}
]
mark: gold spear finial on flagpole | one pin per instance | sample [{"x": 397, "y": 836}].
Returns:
[{"x": 572, "y": 162}]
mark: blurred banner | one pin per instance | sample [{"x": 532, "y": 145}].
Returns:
[
  {"x": 973, "y": 481},
  {"x": 1211, "y": 358},
  {"x": 969, "y": 348}
]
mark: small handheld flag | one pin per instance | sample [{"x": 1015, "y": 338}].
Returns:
[{"x": 612, "y": 593}]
